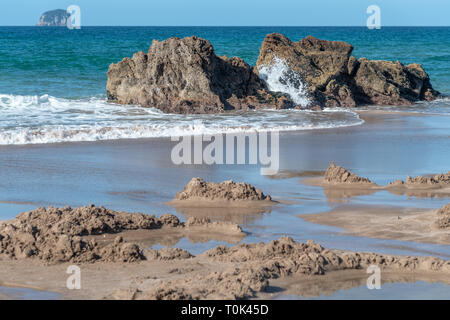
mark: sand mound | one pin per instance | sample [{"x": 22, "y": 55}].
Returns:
[
  {"x": 443, "y": 220},
  {"x": 59, "y": 235},
  {"x": 420, "y": 181},
  {"x": 55, "y": 235},
  {"x": 338, "y": 175},
  {"x": 234, "y": 283},
  {"x": 255, "y": 264},
  {"x": 200, "y": 190},
  {"x": 215, "y": 226},
  {"x": 167, "y": 254}
]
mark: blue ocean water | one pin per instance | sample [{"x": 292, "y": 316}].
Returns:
[{"x": 52, "y": 80}]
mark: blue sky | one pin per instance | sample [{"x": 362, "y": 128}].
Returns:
[{"x": 233, "y": 12}]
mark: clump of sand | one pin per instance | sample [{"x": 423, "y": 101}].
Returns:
[
  {"x": 339, "y": 175},
  {"x": 200, "y": 190},
  {"x": 420, "y": 181},
  {"x": 443, "y": 220},
  {"x": 215, "y": 226},
  {"x": 57, "y": 235},
  {"x": 339, "y": 183},
  {"x": 253, "y": 265},
  {"x": 167, "y": 254}
]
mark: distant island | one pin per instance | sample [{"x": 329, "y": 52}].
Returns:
[{"x": 54, "y": 18}]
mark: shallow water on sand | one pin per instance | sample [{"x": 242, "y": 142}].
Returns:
[
  {"x": 138, "y": 176},
  {"x": 26, "y": 294},
  {"x": 391, "y": 291}
]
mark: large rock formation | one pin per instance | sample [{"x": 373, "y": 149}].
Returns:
[
  {"x": 335, "y": 78},
  {"x": 54, "y": 18},
  {"x": 186, "y": 76}
]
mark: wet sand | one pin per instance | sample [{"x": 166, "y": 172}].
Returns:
[
  {"x": 137, "y": 175},
  {"x": 136, "y": 280},
  {"x": 407, "y": 224}
]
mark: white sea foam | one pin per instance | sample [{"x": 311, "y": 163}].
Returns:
[
  {"x": 46, "y": 119},
  {"x": 280, "y": 78}
]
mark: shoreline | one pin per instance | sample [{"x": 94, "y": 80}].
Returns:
[
  {"x": 368, "y": 116},
  {"x": 110, "y": 167}
]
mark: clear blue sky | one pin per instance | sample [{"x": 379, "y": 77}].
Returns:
[{"x": 232, "y": 12}]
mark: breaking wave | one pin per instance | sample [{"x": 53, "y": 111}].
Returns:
[
  {"x": 47, "y": 119},
  {"x": 280, "y": 78}
]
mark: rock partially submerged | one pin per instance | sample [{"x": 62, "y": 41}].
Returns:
[
  {"x": 443, "y": 217},
  {"x": 335, "y": 78},
  {"x": 186, "y": 76},
  {"x": 253, "y": 265},
  {"x": 200, "y": 190},
  {"x": 339, "y": 175},
  {"x": 66, "y": 235}
]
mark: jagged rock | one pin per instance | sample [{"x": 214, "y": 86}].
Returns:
[
  {"x": 316, "y": 61},
  {"x": 54, "y": 18},
  {"x": 335, "y": 78},
  {"x": 186, "y": 76},
  {"x": 391, "y": 83}
]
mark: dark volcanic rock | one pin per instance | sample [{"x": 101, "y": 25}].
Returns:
[
  {"x": 186, "y": 76},
  {"x": 54, "y": 18},
  {"x": 335, "y": 78}
]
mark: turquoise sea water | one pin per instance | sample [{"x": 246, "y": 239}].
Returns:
[{"x": 52, "y": 80}]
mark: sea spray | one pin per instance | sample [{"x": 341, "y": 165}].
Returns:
[{"x": 280, "y": 78}]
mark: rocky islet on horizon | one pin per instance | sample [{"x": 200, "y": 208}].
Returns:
[
  {"x": 54, "y": 18},
  {"x": 186, "y": 76}
]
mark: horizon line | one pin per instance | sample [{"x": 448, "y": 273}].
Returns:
[{"x": 233, "y": 26}]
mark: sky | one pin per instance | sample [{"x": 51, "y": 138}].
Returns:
[{"x": 232, "y": 12}]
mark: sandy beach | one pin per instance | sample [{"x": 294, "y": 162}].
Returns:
[
  {"x": 406, "y": 224},
  {"x": 387, "y": 147}
]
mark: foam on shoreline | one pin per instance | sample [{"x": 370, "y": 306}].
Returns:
[{"x": 46, "y": 119}]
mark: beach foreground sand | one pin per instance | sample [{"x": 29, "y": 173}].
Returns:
[
  {"x": 387, "y": 147},
  {"x": 408, "y": 224},
  {"x": 243, "y": 271}
]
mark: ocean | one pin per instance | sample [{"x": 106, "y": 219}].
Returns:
[{"x": 52, "y": 80}]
